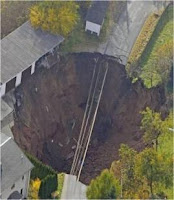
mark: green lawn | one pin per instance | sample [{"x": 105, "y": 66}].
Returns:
[
  {"x": 60, "y": 179},
  {"x": 162, "y": 34}
]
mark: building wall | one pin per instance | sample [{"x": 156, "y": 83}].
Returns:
[
  {"x": 2, "y": 89},
  {"x": 93, "y": 27},
  {"x": 19, "y": 184},
  {"x": 17, "y": 80}
]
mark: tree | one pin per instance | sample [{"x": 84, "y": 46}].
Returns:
[
  {"x": 34, "y": 189},
  {"x": 129, "y": 182},
  {"x": 158, "y": 71},
  {"x": 164, "y": 60},
  {"x": 104, "y": 186},
  {"x": 57, "y": 17},
  {"x": 150, "y": 167},
  {"x": 151, "y": 124},
  {"x": 48, "y": 185}
]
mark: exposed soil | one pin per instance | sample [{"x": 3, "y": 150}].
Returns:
[{"x": 53, "y": 99}]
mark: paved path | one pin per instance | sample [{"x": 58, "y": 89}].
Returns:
[
  {"x": 125, "y": 30},
  {"x": 73, "y": 189},
  {"x": 128, "y": 27}
]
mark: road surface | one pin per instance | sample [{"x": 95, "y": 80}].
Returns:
[{"x": 128, "y": 27}]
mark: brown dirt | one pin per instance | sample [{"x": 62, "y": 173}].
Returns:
[{"x": 43, "y": 121}]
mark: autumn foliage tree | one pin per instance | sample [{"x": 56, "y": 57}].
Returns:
[
  {"x": 34, "y": 188},
  {"x": 152, "y": 126},
  {"x": 57, "y": 17}
]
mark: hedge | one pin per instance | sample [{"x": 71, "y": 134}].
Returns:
[
  {"x": 40, "y": 170},
  {"x": 48, "y": 186}
]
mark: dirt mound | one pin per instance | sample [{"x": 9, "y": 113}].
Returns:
[{"x": 51, "y": 106}]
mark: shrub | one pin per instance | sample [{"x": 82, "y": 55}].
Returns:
[
  {"x": 104, "y": 186},
  {"x": 48, "y": 185},
  {"x": 40, "y": 170},
  {"x": 34, "y": 189}
]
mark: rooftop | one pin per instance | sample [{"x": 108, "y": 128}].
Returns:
[
  {"x": 14, "y": 163},
  {"x": 22, "y": 47},
  {"x": 97, "y": 11}
]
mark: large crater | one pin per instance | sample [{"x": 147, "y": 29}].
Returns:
[{"x": 51, "y": 100}]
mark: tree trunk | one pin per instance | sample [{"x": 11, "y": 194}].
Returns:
[{"x": 151, "y": 182}]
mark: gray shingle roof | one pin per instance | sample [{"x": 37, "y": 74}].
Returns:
[
  {"x": 22, "y": 47},
  {"x": 14, "y": 163},
  {"x": 97, "y": 11}
]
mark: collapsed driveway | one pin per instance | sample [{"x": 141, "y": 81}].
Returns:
[{"x": 127, "y": 28}]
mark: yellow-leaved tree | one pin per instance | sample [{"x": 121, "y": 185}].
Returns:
[
  {"x": 34, "y": 189},
  {"x": 57, "y": 17}
]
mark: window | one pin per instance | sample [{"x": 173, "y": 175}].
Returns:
[
  {"x": 22, "y": 177},
  {"x": 13, "y": 186},
  {"x": 21, "y": 191}
]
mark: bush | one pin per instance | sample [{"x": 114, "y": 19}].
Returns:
[
  {"x": 40, "y": 170},
  {"x": 104, "y": 186},
  {"x": 48, "y": 185}
]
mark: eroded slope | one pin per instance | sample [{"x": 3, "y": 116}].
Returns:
[{"x": 51, "y": 106}]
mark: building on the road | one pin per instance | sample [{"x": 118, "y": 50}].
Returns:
[
  {"x": 20, "y": 51},
  {"x": 95, "y": 16},
  {"x": 15, "y": 170}
]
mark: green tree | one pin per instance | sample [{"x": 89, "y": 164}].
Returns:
[
  {"x": 150, "y": 166},
  {"x": 151, "y": 124},
  {"x": 48, "y": 185},
  {"x": 128, "y": 179},
  {"x": 104, "y": 186},
  {"x": 164, "y": 60},
  {"x": 57, "y": 17}
]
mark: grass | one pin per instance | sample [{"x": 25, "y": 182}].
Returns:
[
  {"x": 150, "y": 47},
  {"x": 13, "y": 14},
  {"x": 162, "y": 34},
  {"x": 60, "y": 179},
  {"x": 79, "y": 39},
  {"x": 143, "y": 38}
]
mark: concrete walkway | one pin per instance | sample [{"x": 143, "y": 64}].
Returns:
[{"x": 73, "y": 189}]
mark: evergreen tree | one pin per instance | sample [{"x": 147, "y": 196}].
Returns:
[{"x": 104, "y": 186}]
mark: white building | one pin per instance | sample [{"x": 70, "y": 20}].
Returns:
[
  {"x": 20, "y": 51},
  {"x": 95, "y": 16},
  {"x": 15, "y": 170}
]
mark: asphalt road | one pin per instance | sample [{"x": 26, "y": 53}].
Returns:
[{"x": 128, "y": 27}]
